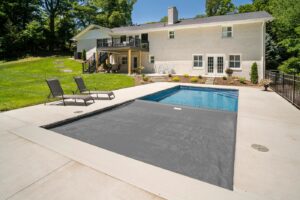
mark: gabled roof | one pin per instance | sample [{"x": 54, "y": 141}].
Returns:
[
  {"x": 242, "y": 17},
  {"x": 262, "y": 16},
  {"x": 90, "y": 27}
]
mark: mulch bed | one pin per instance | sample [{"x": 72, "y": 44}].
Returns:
[
  {"x": 231, "y": 81},
  {"x": 234, "y": 81}
]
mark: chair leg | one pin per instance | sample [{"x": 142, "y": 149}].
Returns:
[{"x": 46, "y": 101}]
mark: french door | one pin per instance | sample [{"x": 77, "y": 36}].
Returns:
[
  {"x": 210, "y": 65},
  {"x": 215, "y": 65}
]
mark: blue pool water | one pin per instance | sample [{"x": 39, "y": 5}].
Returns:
[{"x": 208, "y": 98}]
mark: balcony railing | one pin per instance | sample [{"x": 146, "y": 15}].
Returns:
[{"x": 118, "y": 42}]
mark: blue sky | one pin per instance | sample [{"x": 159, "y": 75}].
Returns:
[{"x": 154, "y": 10}]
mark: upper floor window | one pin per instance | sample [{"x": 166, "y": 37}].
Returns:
[
  {"x": 171, "y": 34},
  {"x": 123, "y": 38},
  {"x": 227, "y": 32},
  {"x": 235, "y": 61},
  {"x": 152, "y": 59},
  {"x": 198, "y": 61},
  {"x": 124, "y": 60}
]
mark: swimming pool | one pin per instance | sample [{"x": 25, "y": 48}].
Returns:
[{"x": 199, "y": 97}]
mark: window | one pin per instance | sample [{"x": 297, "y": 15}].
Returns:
[
  {"x": 171, "y": 34},
  {"x": 234, "y": 61},
  {"x": 144, "y": 37},
  {"x": 227, "y": 32},
  {"x": 198, "y": 61},
  {"x": 152, "y": 60},
  {"x": 102, "y": 42},
  {"x": 123, "y": 38},
  {"x": 124, "y": 60}
]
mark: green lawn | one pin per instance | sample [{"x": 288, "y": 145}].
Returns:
[{"x": 23, "y": 83}]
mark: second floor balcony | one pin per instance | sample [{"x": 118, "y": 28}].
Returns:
[{"x": 109, "y": 43}]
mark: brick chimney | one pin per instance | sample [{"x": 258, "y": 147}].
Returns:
[{"x": 172, "y": 15}]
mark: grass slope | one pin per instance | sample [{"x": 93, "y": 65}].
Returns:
[{"x": 23, "y": 83}]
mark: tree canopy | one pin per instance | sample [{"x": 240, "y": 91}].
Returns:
[
  {"x": 283, "y": 34},
  {"x": 218, "y": 7},
  {"x": 32, "y": 26}
]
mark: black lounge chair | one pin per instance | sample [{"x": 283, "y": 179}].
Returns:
[
  {"x": 83, "y": 89},
  {"x": 56, "y": 91}
]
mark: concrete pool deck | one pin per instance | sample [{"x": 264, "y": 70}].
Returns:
[{"x": 37, "y": 163}]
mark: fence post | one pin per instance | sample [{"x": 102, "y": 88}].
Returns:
[
  {"x": 275, "y": 81},
  {"x": 294, "y": 88},
  {"x": 283, "y": 93}
]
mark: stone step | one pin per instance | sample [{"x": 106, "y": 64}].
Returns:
[
  {"x": 158, "y": 78},
  {"x": 210, "y": 81}
]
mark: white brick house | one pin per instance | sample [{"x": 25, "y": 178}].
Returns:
[{"x": 202, "y": 46}]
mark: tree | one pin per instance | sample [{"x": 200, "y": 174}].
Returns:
[
  {"x": 218, "y": 7},
  {"x": 113, "y": 13},
  {"x": 51, "y": 7},
  {"x": 85, "y": 14},
  {"x": 273, "y": 52},
  {"x": 200, "y": 16},
  {"x": 291, "y": 66},
  {"x": 164, "y": 19},
  {"x": 246, "y": 8}
]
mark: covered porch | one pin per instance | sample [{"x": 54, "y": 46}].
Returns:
[{"x": 123, "y": 59}]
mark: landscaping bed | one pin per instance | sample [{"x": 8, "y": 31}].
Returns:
[
  {"x": 144, "y": 79},
  {"x": 234, "y": 81}
]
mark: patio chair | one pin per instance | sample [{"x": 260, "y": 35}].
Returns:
[
  {"x": 84, "y": 90},
  {"x": 57, "y": 91}
]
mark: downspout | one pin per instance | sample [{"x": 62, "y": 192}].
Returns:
[{"x": 263, "y": 49}]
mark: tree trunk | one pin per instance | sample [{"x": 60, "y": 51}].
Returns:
[{"x": 52, "y": 33}]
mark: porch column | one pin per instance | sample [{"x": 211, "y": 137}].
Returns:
[
  {"x": 108, "y": 59},
  {"x": 140, "y": 63},
  {"x": 97, "y": 63},
  {"x": 129, "y": 61}
]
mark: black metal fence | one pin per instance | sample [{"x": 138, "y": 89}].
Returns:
[{"x": 286, "y": 85}]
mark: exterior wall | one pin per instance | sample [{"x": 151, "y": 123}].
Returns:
[
  {"x": 88, "y": 41},
  {"x": 176, "y": 55}
]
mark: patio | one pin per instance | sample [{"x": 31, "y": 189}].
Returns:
[{"x": 37, "y": 163}]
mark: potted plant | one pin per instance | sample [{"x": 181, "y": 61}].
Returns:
[
  {"x": 229, "y": 72},
  {"x": 265, "y": 83}
]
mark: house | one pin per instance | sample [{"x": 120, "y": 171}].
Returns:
[{"x": 199, "y": 46}]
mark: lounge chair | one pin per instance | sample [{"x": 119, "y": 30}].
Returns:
[
  {"x": 57, "y": 91},
  {"x": 83, "y": 89}
]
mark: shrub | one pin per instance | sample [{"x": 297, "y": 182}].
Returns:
[
  {"x": 143, "y": 75},
  {"x": 290, "y": 66},
  {"x": 84, "y": 55},
  {"x": 139, "y": 69},
  {"x": 224, "y": 78},
  {"x": 186, "y": 75},
  {"x": 145, "y": 78},
  {"x": 229, "y": 71},
  {"x": 254, "y": 74},
  {"x": 176, "y": 79},
  {"x": 194, "y": 79},
  {"x": 200, "y": 77},
  {"x": 242, "y": 80}
]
